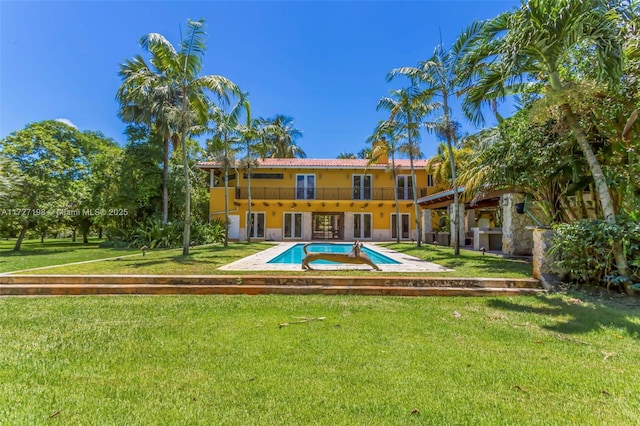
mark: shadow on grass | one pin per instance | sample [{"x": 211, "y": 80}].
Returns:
[
  {"x": 583, "y": 317},
  {"x": 444, "y": 256}
]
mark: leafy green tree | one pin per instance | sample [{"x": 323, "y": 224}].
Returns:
[
  {"x": 49, "y": 159},
  {"x": 188, "y": 112},
  {"x": 139, "y": 177},
  {"x": 408, "y": 107},
  {"x": 532, "y": 44}
]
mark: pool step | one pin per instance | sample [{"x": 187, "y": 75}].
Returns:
[{"x": 15, "y": 285}]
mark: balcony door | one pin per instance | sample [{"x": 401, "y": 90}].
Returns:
[
  {"x": 361, "y": 187},
  {"x": 405, "y": 187},
  {"x": 305, "y": 187}
]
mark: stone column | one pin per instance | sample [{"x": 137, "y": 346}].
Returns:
[
  {"x": 517, "y": 235},
  {"x": 461, "y": 224},
  {"x": 545, "y": 268},
  {"x": 427, "y": 224}
]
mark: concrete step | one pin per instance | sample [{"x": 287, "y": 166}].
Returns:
[
  {"x": 271, "y": 280},
  {"x": 249, "y": 289}
]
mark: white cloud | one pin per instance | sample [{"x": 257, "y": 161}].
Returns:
[{"x": 67, "y": 122}]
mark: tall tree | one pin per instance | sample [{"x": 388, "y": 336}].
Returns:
[
  {"x": 280, "y": 139},
  {"x": 532, "y": 44},
  {"x": 146, "y": 96},
  {"x": 49, "y": 158},
  {"x": 250, "y": 134},
  {"x": 439, "y": 75},
  {"x": 187, "y": 112},
  {"x": 222, "y": 148},
  {"x": 408, "y": 107},
  {"x": 385, "y": 140}
]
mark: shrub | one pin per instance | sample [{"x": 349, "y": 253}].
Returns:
[{"x": 585, "y": 249}]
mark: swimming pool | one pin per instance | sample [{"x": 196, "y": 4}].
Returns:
[{"x": 295, "y": 254}]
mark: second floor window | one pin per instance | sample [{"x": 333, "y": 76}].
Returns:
[
  {"x": 405, "y": 187},
  {"x": 430, "y": 180},
  {"x": 361, "y": 185},
  {"x": 305, "y": 187}
]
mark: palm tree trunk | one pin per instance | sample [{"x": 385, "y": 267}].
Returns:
[
  {"x": 415, "y": 202},
  {"x": 395, "y": 196},
  {"x": 414, "y": 186},
  {"x": 186, "y": 237},
  {"x": 601, "y": 184},
  {"x": 226, "y": 202},
  {"x": 250, "y": 218},
  {"x": 452, "y": 163},
  {"x": 165, "y": 179}
]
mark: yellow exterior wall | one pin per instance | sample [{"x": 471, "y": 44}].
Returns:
[{"x": 326, "y": 181}]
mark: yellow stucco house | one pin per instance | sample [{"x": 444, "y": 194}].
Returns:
[{"x": 319, "y": 199}]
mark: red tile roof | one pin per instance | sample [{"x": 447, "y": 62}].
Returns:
[{"x": 320, "y": 163}]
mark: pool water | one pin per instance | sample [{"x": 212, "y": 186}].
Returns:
[{"x": 295, "y": 254}]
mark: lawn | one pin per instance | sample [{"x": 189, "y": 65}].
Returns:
[
  {"x": 35, "y": 254},
  {"x": 299, "y": 360},
  {"x": 205, "y": 260}
]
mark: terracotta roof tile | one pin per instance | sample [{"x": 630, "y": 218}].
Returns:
[{"x": 320, "y": 163}]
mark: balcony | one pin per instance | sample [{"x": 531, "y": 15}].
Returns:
[{"x": 324, "y": 194}]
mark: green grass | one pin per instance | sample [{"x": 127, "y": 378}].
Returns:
[
  {"x": 53, "y": 252},
  {"x": 205, "y": 260},
  {"x": 372, "y": 360}
]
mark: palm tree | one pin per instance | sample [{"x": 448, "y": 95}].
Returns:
[
  {"x": 145, "y": 96},
  {"x": 220, "y": 147},
  {"x": 280, "y": 140},
  {"x": 408, "y": 107},
  {"x": 250, "y": 133},
  {"x": 346, "y": 156},
  {"x": 386, "y": 140},
  {"x": 439, "y": 73},
  {"x": 186, "y": 110},
  {"x": 531, "y": 44}
]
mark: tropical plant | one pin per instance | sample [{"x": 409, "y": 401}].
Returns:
[
  {"x": 439, "y": 75},
  {"x": 346, "y": 156},
  {"x": 280, "y": 139},
  {"x": 385, "y": 140},
  {"x": 222, "y": 147},
  {"x": 250, "y": 134},
  {"x": 585, "y": 249},
  {"x": 146, "y": 96},
  {"x": 531, "y": 44},
  {"x": 187, "y": 112},
  {"x": 407, "y": 108}
]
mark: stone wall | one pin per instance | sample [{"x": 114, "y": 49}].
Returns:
[
  {"x": 516, "y": 238},
  {"x": 545, "y": 268}
]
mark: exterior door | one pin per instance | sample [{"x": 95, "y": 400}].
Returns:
[
  {"x": 362, "y": 225},
  {"x": 292, "y": 225},
  {"x": 256, "y": 224},
  {"x": 404, "y": 226},
  {"x": 234, "y": 227}
]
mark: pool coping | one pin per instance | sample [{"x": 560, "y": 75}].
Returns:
[{"x": 258, "y": 261}]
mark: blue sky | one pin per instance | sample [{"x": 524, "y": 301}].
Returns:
[{"x": 323, "y": 63}]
